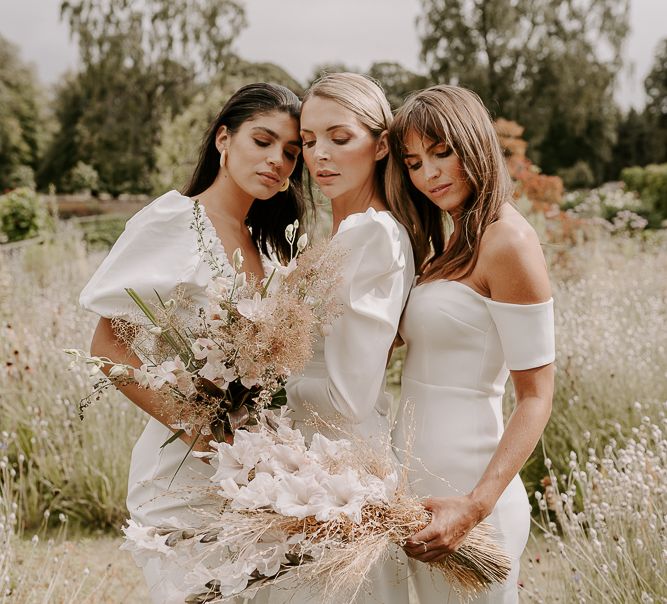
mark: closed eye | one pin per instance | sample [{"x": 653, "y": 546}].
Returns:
[
  {"x": 443, "y": 154},
  {"x": 414, "y": 166},
  {"x": 261, "y": 143},
  {"x": 308, "y": 144}
]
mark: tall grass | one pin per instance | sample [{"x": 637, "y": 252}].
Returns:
[
  {"x": 62, "y": 465},
  {"x": 611, "y": 338},
  {"x": 605, "y": 523}
]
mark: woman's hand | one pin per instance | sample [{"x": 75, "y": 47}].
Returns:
[{"x": 452, "y": 519}]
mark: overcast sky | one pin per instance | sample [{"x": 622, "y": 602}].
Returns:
[{"x": 299, "y": 34}]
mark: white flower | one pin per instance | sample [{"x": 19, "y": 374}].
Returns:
[
  {"x": 229, "y": 465},
  {"x": 240, "y": 280},
  {"x": 378, "y": 490},
  {"x": 326, "y": 450},
  {"x": 297, "y": 494},
  {"x": 216, "y": 369},
  {"x": 237, "y": 259},
  {"x": 302, "y": 242},
  {"x": 233, "y": 576},
  {"x": 260, "y": 492},
  {"x": 201, "y": 348},
  {"x": 289, "y": 233},
  {"x": 286, "y": 459},
  {"x": 341, "y": 494},
  {"x": 156, "y": 330},
  {"x": 144, "y": 542},
  {"x": 255, "y": 308},
  {"x": 268, "y": 554},
  {"x": 118, "y": 371}
]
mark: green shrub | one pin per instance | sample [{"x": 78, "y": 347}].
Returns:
[
  {"x": 651, "y": 184},
  {"x": 21, "y": 176},
  {"x": 82, "y": 178},
  {"x": 578, "y": 176},
  {"x": 22, "y": 214}
]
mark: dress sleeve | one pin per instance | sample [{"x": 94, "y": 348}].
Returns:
[
  {"x": 376, "y": 278},
  {"x": 526, "y": 333},
  {"x": 156, "y": 251}
]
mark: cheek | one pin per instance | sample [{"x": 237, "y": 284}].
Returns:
[{"x": 416, "y": 179}]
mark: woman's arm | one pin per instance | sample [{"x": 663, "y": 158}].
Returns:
[
  {"x": 454, "y": 517},
  {"x": 513, "y": 269},
  {"x": 356, "y": 350},
  {"x": 106, "y": 343}
]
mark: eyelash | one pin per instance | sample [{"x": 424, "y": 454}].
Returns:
[{"x": 260, "y": 143}]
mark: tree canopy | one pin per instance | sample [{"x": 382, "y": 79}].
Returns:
[{"x": 548, "y": 65}]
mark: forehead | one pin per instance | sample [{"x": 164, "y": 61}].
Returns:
[
  {"x": 319, "y": 113},
  {"x": 280, "y": 122},
  {"x": 415, "y": 142}
]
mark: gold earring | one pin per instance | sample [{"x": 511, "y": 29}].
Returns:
[
  {"x": 285, "y": 186},
  {"x": 223, "y": 158}
]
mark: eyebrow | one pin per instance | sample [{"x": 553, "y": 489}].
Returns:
[
  {"x": 329, "y": 129},
  {"x": 273, "y": 134},
  {"x": 410, "y": 155}
]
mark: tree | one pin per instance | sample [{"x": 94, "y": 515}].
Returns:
[
  {"x": 22, "y": 128},
  {"x": 142, "y": 61},
  {"x": 656, "y": 107},
  {"x": 397, "y": 81},
  {"x": 549, "y": 65}
]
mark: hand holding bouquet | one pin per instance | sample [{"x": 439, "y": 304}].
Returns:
[
  {"x": 322, "y": 514},
  {"x": 215, "y": 367}
]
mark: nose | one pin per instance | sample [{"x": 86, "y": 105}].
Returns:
[
  {"x": 431, "y": 170},
  {"x": 275, "y": 158},
  {"x": 321, "y": 152}
]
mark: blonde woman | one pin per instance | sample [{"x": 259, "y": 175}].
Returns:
[
  {"x": 344, "y": 122},
  {"x": 481, "y": 312}
]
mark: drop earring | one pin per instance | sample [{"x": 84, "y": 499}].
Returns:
[{"x": 223, "y": 158}]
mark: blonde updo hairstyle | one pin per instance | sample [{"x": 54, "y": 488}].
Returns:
[
  {"x": 457, "y": 117},
  {"x": 364, "y": 97}
]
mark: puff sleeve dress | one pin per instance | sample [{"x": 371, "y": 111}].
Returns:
[
  {"x": 460, "y": 349},
  {"x": 157, "y": 251},
  {"x": 344, "y": 381}
]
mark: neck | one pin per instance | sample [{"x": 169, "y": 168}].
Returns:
[
  {"x": 354, "y": 202},
  {"x": 224, "y": 198}
]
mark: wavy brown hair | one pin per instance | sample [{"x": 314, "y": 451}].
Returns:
[{"x": 457, "y": 117}]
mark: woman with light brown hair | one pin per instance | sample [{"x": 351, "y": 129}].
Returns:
[{"x": 481, "y": 312}]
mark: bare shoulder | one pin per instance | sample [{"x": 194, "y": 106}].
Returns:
[{"x": 511, "y": 261}]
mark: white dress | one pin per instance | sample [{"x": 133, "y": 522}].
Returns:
[
  {"x": 344, "y": 381},
  {"x": 460, "y": 347},
  {"x": 157, "y": 251}
]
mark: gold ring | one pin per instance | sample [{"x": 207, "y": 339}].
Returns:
[{"x": 425, "y": 548}]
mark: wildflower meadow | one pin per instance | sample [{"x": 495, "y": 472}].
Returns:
[{"x": 596, "y": 480}]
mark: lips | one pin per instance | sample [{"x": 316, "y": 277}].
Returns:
[
  {"x": 440, "y": 189},
  {"x": 269, "y": 178}
]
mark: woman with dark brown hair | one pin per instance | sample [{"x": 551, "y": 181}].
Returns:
[{"x": 481, "y": 312}]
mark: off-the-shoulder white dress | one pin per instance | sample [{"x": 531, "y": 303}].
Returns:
[
  {"x": 460, "y": 348},
  {"x": 157, "y": 251},
  {"x": 344, "y": 382}
]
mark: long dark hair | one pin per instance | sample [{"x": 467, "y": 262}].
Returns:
[{"x": 268, "y": 218}]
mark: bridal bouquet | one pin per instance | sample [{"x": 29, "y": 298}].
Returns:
[
  {"x": 321, "y": 514},
  {"x": 215, "y": 367}
]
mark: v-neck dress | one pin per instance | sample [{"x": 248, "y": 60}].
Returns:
[{"x": 158, "y": 251}]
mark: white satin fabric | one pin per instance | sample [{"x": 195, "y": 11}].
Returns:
[
  {"x": 460, "y": 348},
  {"x": 344, "y": 381}
]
